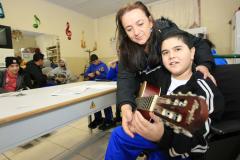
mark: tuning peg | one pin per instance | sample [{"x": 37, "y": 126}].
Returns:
[
  {"x": 167, "y": 123},
  {"x": 180, "y": 93},
  {"x": 189, "y": 93},
  {"x": 186, "y": 133},
  {"x": 179, "y": 118},
  {"x": 168, "y": 101},
  {"x": 185, "y": 102},
  {"x": 176, "y": 102},
  {"x": 176, "y": 129}
]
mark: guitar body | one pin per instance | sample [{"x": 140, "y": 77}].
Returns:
[{"x": 185, "y": 113}]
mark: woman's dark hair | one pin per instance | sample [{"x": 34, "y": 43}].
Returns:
[
  {"x": 210, "y": 43},
  {"x": 133, "y": 55}
]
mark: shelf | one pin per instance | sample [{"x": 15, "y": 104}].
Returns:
[{"x": 53, "y": 53}]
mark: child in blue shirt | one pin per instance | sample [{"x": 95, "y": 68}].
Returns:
[{"x": 98, "y": 71}]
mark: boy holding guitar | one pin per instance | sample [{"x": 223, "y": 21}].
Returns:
[{"x": 156, "y": 137}]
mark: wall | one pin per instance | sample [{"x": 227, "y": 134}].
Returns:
[
  {"x": 25, "y": 42},
  {"x": 105, "y": 35},
  {"x": 215, "y": 15},
  {"x": 19, "y": 15}
]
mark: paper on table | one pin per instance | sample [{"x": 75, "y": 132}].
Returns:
[
  {"x": 80, "y": 89},
  {"x": 69, "y": 91},
  {"x": 100, "y": 86}
]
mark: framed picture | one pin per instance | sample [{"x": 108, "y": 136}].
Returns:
[{"x": 1, "y": 11}]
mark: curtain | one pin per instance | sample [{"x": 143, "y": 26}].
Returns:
[{"x": 185, "y": 13}]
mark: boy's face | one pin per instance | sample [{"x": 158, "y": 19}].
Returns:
[
  {"x": 96, "y": 62},
  {"x": 177, "y": 57},
  {"x": 62, "y": 63},
  {"x": 13, "y": 68}
]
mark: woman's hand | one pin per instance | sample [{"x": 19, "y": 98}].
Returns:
[
  {"x": 204, "y": 70},
  {"x": 127, "y": 117},
  {"x": 151, "y": 131}
]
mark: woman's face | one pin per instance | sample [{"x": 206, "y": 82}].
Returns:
[{"x": 137, "y": 26}]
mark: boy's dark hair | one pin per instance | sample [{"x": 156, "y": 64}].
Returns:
[
  {"x": 93, "y": 57},
  {"x": 184, "y": 36},
  {"x": 38, "y": 56}
]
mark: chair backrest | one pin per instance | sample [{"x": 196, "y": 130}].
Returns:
[{"x": 228, "y": 81}]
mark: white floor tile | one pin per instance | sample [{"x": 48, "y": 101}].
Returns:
[
  {"x": 42, "y": 151},
  {"x": 3, "y": 157},
  {"x": 72, "y": 142},
  {"x": 96, "y": 150},
  {"x": 70, "y": 138},
  {"x": 69, "y": 155}
]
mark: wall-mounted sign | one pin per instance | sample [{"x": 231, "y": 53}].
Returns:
[{"x": 1, "y": 11}]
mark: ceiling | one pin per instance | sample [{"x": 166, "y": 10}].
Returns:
[{"x": 94, "y": 8}]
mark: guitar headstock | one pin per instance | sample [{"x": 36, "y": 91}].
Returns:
[{"x": 185, "y": 113}]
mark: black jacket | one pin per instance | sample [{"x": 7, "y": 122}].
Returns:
[
  {"x": 128, "y": 82},
  {"x": 34, "y": 77},
  {"x": 173, "y": 143},
  {"x": 20, "y": 81}
]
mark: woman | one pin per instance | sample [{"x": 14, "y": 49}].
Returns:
[{"x": 139, "y": 39}]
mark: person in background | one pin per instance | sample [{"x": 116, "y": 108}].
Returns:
[
  {"x": 218, "y": 61},
  {"x": 113, "y": 71},
  {"x": 34, "y": 78},
  {"x": 112, "y": 75},
  {"x": 98, "y": 71},
  {"x": 46, "y": 68},
  {"x": 53, "y": 64},
  {"x": 22, "y": 63},
  {"x": 11, "y": 79},
  {"x": 62, "y": 74},
  {"x": 178, "y": 74}
]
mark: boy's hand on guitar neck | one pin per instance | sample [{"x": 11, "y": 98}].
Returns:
[
  {"x": 127, "y": 117},
  {"x": 134, "y": 122},
  {"x": 152, "y": 131}
]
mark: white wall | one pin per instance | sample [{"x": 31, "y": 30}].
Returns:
[
  {"x": 215, "y": 15},
  {"x": 19, "y": 14}
]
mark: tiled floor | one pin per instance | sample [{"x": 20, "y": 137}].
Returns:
[{"x": 73, "y": 142}]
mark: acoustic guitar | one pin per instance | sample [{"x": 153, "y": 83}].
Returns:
[{"x": 184, "y": 113}]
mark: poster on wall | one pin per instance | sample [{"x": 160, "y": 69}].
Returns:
[
  {"x": 1, "y": 11},
  {"x": 3, "y": 54}
]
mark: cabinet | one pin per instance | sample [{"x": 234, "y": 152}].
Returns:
[{"x": 53, "y": 53}]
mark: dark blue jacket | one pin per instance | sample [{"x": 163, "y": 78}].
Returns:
[
  {"x": 101, "y": 67},
  {"x": 112, "y": 74}
]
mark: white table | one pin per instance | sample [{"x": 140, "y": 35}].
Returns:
[{"x": 41, "y": 111}]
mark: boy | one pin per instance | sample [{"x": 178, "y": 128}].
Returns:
[
  {"x": 98, "y": 71},
  {"x": 178, "y": 74},
  {"x": 11, "y": 79}
]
